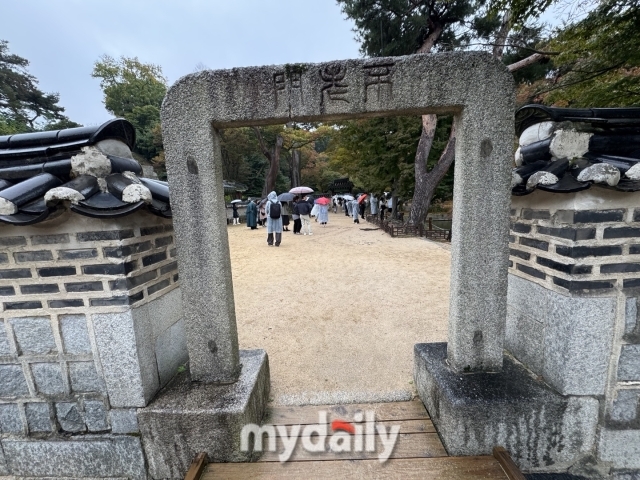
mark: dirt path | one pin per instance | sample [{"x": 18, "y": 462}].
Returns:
[{"x": 338, "y": 312}]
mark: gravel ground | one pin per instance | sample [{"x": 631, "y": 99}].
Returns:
[{"x": 338, "y": 312}]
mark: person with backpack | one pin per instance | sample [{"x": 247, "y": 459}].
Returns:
[{"x": 273, "y": 210}]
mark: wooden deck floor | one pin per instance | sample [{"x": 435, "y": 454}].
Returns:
[{"x": 418, "y": 452}]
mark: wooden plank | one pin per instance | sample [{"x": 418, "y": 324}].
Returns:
[
  {"x": 507, "y": 463},
  {"x": 406, "y": 426},
  {"x": 293, "y": 415},
  {"x": 408, "y": 445},
  {"x": 197, "y": 467},
  {"x": 444, "y": 468}
]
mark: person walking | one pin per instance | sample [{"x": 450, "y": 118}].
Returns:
[
  {"x": 354, "y": 211},
  {"x": 262, "y": 215},
  {"x": 304, "y": 209},
  {"x": 295, "y": 214},
  {"x": 236, "y": 216},
  {"x": 285, "y": 216},
  {"x": 273, "y": 210},
  {"x": 323, "y": 214},
  {"x": 374, "y": 205},
  {"x": 252, "y": 213}
]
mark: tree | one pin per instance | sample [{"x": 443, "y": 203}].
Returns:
[
  {"x": 134, "y": 90},
  {"x": 400, "y": 27},
  {"x": 23, "y": 106},
  {"x": 598, "y": 59}
]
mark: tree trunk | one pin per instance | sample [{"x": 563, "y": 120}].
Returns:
[
  {"x": 273, "y": 157},
  {"x": 427, "y": 181},
  {"x": 295, "y": 168}
]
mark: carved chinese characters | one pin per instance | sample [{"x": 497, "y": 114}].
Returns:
[{"x": 376, "y": 76}]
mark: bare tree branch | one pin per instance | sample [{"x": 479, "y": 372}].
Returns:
[
  {"x": 525, "y": 62},
  {"x": 501, "y": 37}
]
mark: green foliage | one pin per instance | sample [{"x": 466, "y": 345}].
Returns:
[
  {"x": 23, "y": 106},
  {"x": 134, "y": 90},
  {"x": 400, "y": 27},
  {"x": 599, "y": 60},
  {"x": 378, "y": 154}
]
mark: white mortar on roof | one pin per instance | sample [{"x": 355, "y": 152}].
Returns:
[
  {"x": 90, "y": 162},
  {"x": 569, "y": 144},
  {"x": 535, "y": 133}
]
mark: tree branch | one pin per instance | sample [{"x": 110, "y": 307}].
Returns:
[{"x": 525, "y": 62}]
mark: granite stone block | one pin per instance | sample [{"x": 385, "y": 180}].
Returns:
[
  {"x": 75, "y": 335},
  {"x": 525, "y": 339},
  {"x": 5, "y": 346},
  {"x": 625, "y": 406},
  {"x": 578, "y": 341},
  {"x": 95, "y": 416},
  {"x": 630, "y": 315},
  {"x": 629, "y": 363},
  {"x": 171, "y": 351},
  {"x": 69, "y": 417},
  {"x": 38, "y": 417},
  {"x": 34, "y": 335},
  {"x": 117, "y": 346},
  {"x": 540, "y": 428},
  {"x": 96, "y": 456},
  {"x": 164, "y": 311},
  {"x": 187, "y": 417},
  {"x": 10, "y": 419},
  {"x": 620, "y": 447},
  {"x": 124, "y": 420},
  {"x": 13, "y": 383},
  {"x": 84, "y": 377},
  {"x": 48, "y": 378}
]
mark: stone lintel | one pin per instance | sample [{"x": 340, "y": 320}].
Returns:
[
  {"x": 187, "y": 418},
  {"x": 541, "y": 429},
  {"x": 472, "y": 86}
]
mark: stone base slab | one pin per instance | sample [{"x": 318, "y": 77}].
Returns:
[
  {"x": 188, "y": 418},
  {"x": 89, "y": 456},
  {"x": 541, "y": 429}
]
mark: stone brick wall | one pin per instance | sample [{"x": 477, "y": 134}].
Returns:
[
  {"x": 574, "y": 291},
  {"x": 90, "y": 328}
]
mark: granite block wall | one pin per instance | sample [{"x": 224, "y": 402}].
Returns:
[
  {"x": 574, "y": 295},
  {"x": 90, "y": 330}
]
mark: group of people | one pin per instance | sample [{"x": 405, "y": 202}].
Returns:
[
  {"x": 275, "y": 215},
  {"x": 356, "y": 210}
]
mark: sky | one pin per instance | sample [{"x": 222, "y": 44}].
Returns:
[{"x": 62, "y": 39}]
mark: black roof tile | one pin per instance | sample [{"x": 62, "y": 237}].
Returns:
[
  {"x": 33, "y": 164},
  {"x": 613, "y": 140}
]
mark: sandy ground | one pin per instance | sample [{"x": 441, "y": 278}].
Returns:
[{"x": 338, "y": 312}]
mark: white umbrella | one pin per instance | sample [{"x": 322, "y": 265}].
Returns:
[
  {"x": 300, "y": 190},
  {"x": 348, "y": 197},
  {"x": 236, "y": 201}
]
